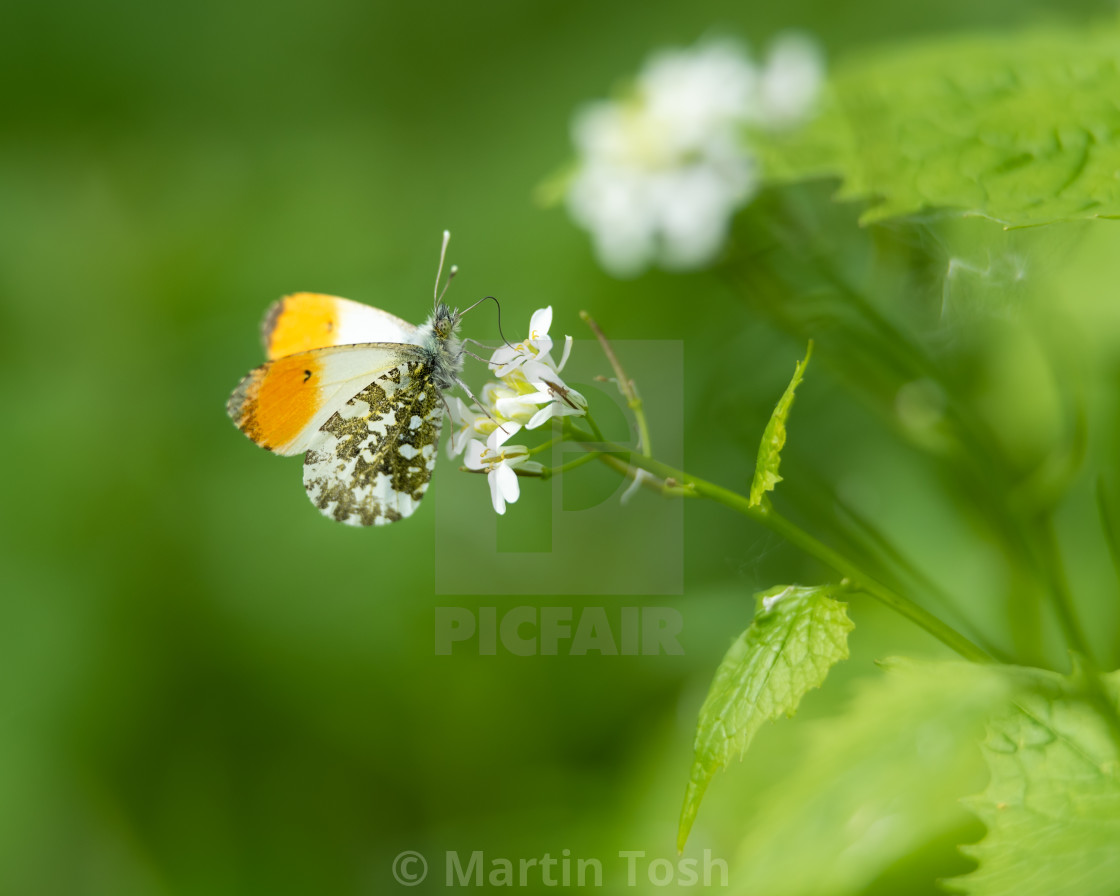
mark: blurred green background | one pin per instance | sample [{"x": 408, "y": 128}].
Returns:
[{"x": 205, "y": 688}]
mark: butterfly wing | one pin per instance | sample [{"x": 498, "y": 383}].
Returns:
[
  {"x": 308, "y": 320},
  {"x": 282, "y": 404},
  {"x": 371, "y": 462}
]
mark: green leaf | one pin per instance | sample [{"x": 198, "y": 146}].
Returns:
[
  {"x": 797, "y": 635},
  {"x": 1024, "y": 128},
  {"x": 1052, "y": 806},
  {"x": 874, "y": 785},
  {"x": 774, "y": 437}
]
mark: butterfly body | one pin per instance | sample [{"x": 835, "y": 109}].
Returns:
[
  {"x": 360, "y": 393},
  {"x": 440, "y": 348}
]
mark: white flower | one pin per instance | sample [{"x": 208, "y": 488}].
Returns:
[
  {"x": 535, "y": 348},
  {"x": 499, "y": 463},
  {"x": 463, "y": 425},
  {"x": 558, "y": 401},
  {"x": 506, "y": 403},
  {"x": 790, "y": 81},
  {"x": 663, "y": 171},
  {"x": 692, "y": 94}
]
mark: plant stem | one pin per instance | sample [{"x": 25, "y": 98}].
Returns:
[
  {"x": 905, "y": 607},
  {"x": 625, "y": 386},
  {"x": 549, "y": 472},
  {"x": 1051, "y": 562},
  {"x": 1050, "y": 558},
  {"x": 663, "y": 487},
  {"x": 1108, "y": 527},
  {"x": 766, "y": 515},
  {"x": 545, "y": 445}
]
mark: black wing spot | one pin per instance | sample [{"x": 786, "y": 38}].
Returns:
[{"x": 306, "y": 375}]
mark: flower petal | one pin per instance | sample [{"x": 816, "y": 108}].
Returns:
[
  {"x": 507, "y": 483},
  {"x": 503, "y": 356},
  {"x": 457, "y": 442},
  {"x": 564, "y": 356},
  {"x": 537, "y": 369},
  {"x": 473, "y": 458},
  {"x": 462, "y": 420},
  {"x": 501, "y": 435},
  {"x": 516, "y": 409},
  {"x": 540, "y": 322},
  {"x": 496, "y": 497},
  {"x": 542, "y": 416}
]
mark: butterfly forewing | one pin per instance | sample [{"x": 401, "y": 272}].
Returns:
[
  {"x": 282, "y": 404},
  {"x": 308, "y": 320},
  {"x": 371, "y": 462}
]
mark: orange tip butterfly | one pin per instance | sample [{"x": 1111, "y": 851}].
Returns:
[{"x": 360, "y": 393}]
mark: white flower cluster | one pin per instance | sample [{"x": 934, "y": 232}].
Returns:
[
  {"x": 662, "y": 171},
  {"x": 528, "y": 393}
]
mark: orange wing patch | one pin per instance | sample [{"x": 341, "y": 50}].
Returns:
[
  {"x": 301, "y": 322},
  {"x": 274, "y": 404}
]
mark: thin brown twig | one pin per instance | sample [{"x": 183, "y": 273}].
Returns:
[{"x": 625, "y": 385}]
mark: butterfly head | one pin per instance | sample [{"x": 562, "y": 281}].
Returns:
[
  {"x": 445, "y": 321},
  {"x": 442, "y": 349}
]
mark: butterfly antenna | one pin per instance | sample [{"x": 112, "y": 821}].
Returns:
[
  {"x": 436, "y": 294},
  {"x": 452, "y": 271},
  {"x": 499, "y": 304}
]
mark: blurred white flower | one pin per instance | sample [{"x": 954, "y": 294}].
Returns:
[
  {"x": 662, "y": 171},
  {"x": 499, "y": 463},
  {"x": 791, "y": 81}
]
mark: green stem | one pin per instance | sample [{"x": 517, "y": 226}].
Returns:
[
  {"x": 1108, "y": 527},
  {"x": 643, "y": 427},
  {"x": 664, "y": 487},
  {"x": 548, "y": 472},
  {"x": 1051, "y": 561},
  {"x": 596, "y": 433},
  {"x": 917, "y": 577},
  {"x": 1052, "y": 568},
  {"x": 766, "y": 515},
  {"x": 972, "y": 452},
  {"x": 545, "y": 446},
  {"x": 905, "y": 607}
]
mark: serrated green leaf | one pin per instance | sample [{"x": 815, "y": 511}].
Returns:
[
  {"x": 797, "y": 635},
  {"x": 876, "y": 783},
  {"x": 1024, "y": 129},
  {"x": 1052, "y": 806},
  {"x": 774, "y": 437}
]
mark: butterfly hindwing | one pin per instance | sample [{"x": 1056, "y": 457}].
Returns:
[{"x": 371, "y": 462}]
